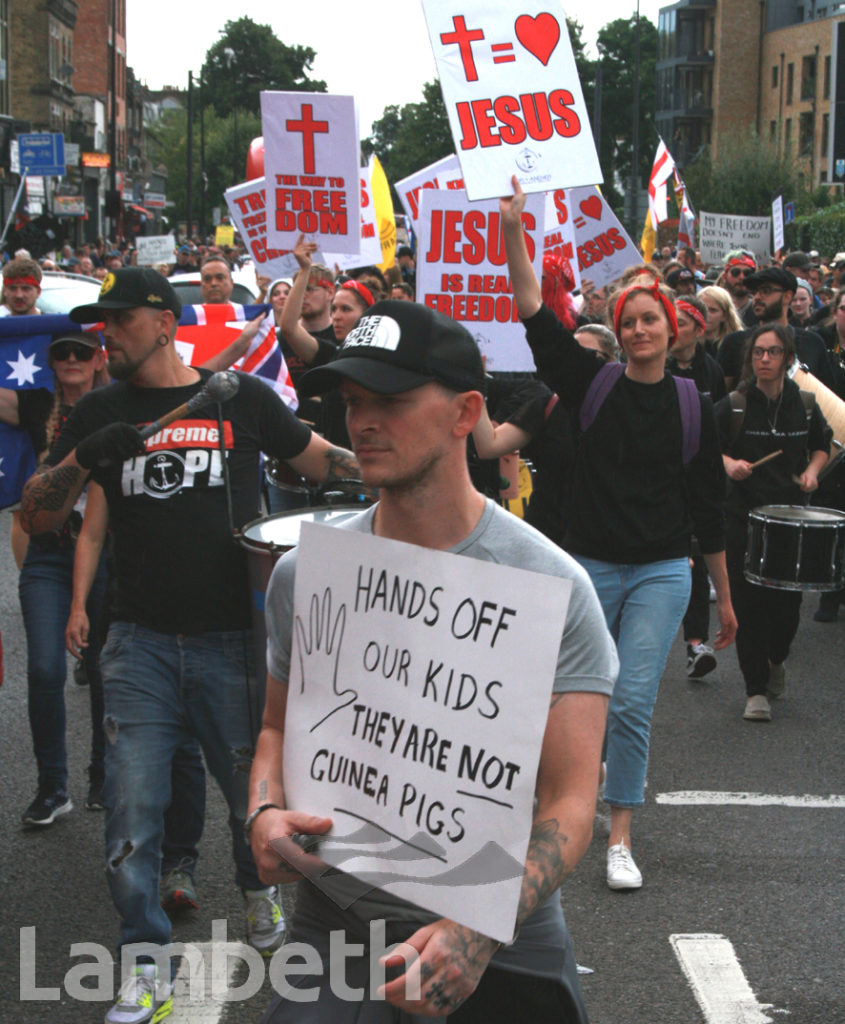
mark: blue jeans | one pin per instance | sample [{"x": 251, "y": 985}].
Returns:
[
  {"x": 160, "y": 690},
  {"x": 643, "y": 606},
  {"x": 45, "y": 589}
]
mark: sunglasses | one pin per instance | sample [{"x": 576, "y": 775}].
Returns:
[
  {"x": 63, "y": 350},
  {"x": 740, "y": 272}
]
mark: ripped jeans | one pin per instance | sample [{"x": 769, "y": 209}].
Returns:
[{"x": 160, "y": 689}]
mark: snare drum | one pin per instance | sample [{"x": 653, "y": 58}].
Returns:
[
  {"x": 265, "y": 540},
  {"x": 795, "y": 547}
]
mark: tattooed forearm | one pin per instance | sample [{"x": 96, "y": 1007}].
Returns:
[
  {"x": 545, "y": 866},
  {"x": 342, "y": 465},
  {"x": 50, "y": 490}
]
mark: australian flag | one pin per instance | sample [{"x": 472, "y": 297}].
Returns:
[{"x": 23, "y": 364}]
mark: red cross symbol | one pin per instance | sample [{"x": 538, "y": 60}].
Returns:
[
  {"x": 309, "y": 128},
  {"x": 464, "y": 37}
]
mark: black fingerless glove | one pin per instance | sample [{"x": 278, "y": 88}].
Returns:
[{"x": 114, "y": 443}]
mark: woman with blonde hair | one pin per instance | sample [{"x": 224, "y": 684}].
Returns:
[{"x": 722, "y": 318}]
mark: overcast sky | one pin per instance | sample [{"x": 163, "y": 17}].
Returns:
[{"x": 378, "y": 51}]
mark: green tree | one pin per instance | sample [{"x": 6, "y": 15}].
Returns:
[
  {"x": 748, "y": 172},
  {"x": 408, "y": 138},
  {"x": 616, "y": 45},
  {"x": 248, "y": 58},
  {"x": 220, "y": 152}
]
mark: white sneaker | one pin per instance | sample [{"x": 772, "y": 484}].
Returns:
[
  {"x": 622, "y": 872},
  {"x": 265, "y": 922},
  {"x": 143, "y": 998}
]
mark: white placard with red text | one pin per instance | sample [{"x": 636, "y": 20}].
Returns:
[
  {"x": 445, "y": 173},
  {"x": 513, "y": 95},
  {"x": 462, "y": 271},
  {"x": 246, "y": 203},
  {"x": 560, "y": 233},
  {"x": 418, "y": 695},
  {"x": 369, "y": 253},
  {"x": 311, "y": 167},
  {"x": 603, "y": 248}
]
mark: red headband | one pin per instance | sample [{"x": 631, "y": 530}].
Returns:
[
  {"x": 692, "y": 313},
  {"x": 22, "y": 280},
  {"x": 742, "y": 261},
  {"x": 321, "y": 282},
  {"x": 362, "y": 290},
  {"x": 654, "y": 291}
]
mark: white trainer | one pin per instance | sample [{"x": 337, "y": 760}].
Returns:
[
  {"x": 265, "y": 922},
  {"x": 143, "y": 998},
  {"x": 622, "y": 872}
]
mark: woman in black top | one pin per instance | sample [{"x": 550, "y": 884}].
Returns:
[
  {"x": 775, "y": 420},
  {"x": 635, "y": 500}
]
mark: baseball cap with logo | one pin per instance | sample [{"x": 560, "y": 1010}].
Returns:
[
  {"x": 128, "y": 288},
  {"x": 398, "y": 346}
]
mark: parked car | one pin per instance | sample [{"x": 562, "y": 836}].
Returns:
[
  {"x": 60, "y": 292},
  {"x": 187, "y": 287}
]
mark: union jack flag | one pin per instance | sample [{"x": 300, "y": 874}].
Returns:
[{"x": 207, "y": 329}]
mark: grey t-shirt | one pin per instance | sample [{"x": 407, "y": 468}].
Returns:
[{"x": 587, "y": 661}]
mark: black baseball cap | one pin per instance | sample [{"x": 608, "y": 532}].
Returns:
[
  {"x": 679, "y": 275},
  {"x": 772, "y": 275},
  {"x": 398, "y": 346},
  {"x": 128, "y": 288}
]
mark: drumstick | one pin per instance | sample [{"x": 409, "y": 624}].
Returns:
[{"x": 767, "y": 458}]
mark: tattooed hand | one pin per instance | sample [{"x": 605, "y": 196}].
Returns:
[{"x": 449, "y": 965}]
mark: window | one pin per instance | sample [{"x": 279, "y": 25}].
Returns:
[
  {"x": 805, "y": 134},
  {"x": 808, "y": 77},
  {"x": 774, "y": 76},
  {"x": 787, "y": 136},
  {"x": 826, "y": 84},
  {"x": 773, "y": 130},
  {"x": 825, "y": 133},
  {"x": 790, "y": 82}
]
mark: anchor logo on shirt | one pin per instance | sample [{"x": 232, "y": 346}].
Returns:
[{"x": 164, "y": 473}]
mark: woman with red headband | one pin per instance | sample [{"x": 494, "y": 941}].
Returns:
[{"x": 644, "y": 478}]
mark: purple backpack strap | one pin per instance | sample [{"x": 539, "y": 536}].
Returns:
[
  {"x": 598, "y": 390},
  {"x": 690, "y": 417}
]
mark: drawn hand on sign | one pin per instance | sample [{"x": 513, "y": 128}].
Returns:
[{"x": 322, "y": 643}]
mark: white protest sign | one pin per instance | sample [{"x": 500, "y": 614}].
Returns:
[
  {"x": 603, "y": 248},
  {"x": 419, "y": 690},
  {"x": 369, "y": 253},
  {"x": 721, "y": 232},
  {"x": 246, "y": 203},
  {"x": 513, "y": 96},
  {"x": 559, "y": 237},
  {"x": 777, "y": 223},
  {"x": 444, "y": 174},
  {"x": 462, "y": 271},
  {"x": 311, "y": 167},
  {"x": 154, "y": 249}
]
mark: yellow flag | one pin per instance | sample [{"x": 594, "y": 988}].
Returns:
[
  {"x": 384, "y": 215},
  {"x": 649, "y": 239}
]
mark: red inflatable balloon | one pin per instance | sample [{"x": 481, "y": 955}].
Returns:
[{"x": 255, "y": 159}]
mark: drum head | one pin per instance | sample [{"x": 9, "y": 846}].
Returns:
[
  {"x": 804, "y": 515},
  {"x": 282, "y": 531}
]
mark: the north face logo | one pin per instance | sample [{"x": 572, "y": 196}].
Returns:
[{"x": 375, "y": 332}]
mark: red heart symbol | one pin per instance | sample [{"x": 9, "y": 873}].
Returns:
[
  {"x": 538, "y": 35},
  {"x": 591, "y": 207}
]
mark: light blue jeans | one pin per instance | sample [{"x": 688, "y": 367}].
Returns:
[
  {"x": 160, "y": 690},
  {"x": 643, "y": 606}
]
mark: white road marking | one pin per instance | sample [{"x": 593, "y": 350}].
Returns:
[
  {"x": 204, "y": 1007},
  {"x": 717, "y": 980},
  {"x": 716, "y": 799}
]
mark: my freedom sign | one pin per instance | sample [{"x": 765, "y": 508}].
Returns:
[{"x": 418, "y": 694}]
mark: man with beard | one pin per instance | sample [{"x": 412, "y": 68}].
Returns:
[
  {"x": 739, "y": 265},
  {"x": 771, "y": 290}
]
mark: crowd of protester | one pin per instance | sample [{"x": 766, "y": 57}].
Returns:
[{"x": 648, "y": 486}]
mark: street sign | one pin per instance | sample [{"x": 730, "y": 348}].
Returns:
[
  {"x": 42, "y": 153},
  {"x": 788, "y": 213}
]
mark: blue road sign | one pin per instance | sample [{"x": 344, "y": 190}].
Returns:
[{"x": 42, "y": 153}]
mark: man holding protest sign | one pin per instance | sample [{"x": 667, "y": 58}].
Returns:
[{"x": 413, "y": 382}]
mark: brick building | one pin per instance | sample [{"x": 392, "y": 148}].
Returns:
[
  {"x": 100, "y": 38},
  {"x": 729, "y": 67},
  {"x": 41, "y": 62}
]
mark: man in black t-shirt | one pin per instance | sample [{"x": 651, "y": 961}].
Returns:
[{"x": 178, "y": 660}]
